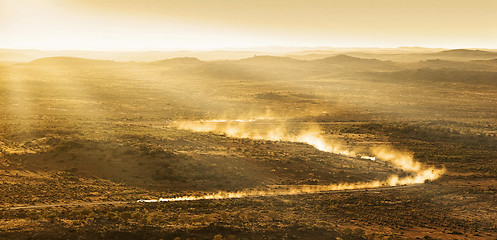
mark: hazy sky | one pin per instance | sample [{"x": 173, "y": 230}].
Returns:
[{"x": 207, "y": 24}]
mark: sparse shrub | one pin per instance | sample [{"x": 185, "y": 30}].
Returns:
[
  {"x": 273, "y": 215},
  {"x": 112, "y": 216},
  {"x": 51, "y": 216},
  {"x": 125, "y": 216},
  {"x": 359, "y": 232},
  {"x": 33, "y": 215},
  {"x": 218, "y": 237}
]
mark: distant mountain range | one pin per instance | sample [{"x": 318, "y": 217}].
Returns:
[
  {"x": 71, "y": 61},
  {"x": 395, "y": 54},
  {"x": 456, "y": 54},
  {"x": 277, "y": 66}
]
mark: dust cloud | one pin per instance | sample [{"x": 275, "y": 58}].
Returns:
[{"x": 262, "y": 129}]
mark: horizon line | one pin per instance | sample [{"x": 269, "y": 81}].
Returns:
[{"x": 268, "y": 48}]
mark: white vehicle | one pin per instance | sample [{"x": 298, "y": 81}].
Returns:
[{"x": 146, "y": 201}]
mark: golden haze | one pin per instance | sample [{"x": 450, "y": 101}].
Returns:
[{"x": 177, "y": 24}]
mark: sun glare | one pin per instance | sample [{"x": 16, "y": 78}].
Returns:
[{"x": 55, "y": 25}]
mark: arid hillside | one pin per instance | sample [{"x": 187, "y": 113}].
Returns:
[{"x": 101, "y": 134}]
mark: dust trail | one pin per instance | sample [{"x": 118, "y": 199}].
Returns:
[{"x": 239, "y": 128}]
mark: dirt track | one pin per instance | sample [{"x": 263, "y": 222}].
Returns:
[{"x": 135, "y": 202}]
